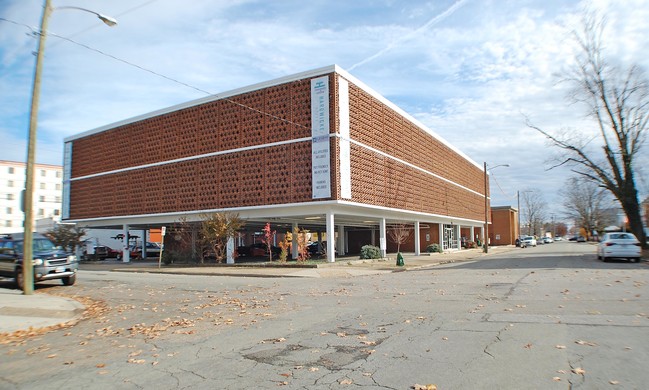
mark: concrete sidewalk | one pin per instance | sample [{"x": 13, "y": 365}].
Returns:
[{"x": 22, "y": 312}]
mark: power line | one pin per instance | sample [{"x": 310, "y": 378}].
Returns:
[{"x": 35, "y": 32}]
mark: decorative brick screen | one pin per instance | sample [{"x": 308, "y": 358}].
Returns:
[{"x": 276, "y": 174}]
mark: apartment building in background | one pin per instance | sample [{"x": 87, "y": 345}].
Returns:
[{"x": 48, "y": 192}]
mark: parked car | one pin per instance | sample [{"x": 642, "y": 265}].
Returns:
[
  {"x": 102, "y": 252},
  {"x": 619, "y": 245},
  {"x": 50, "y": 261},
  {"x": 316, "y": 248},
  {"x": 258, "y": 249},
  {"x": 528, "y": 241},
  {"x": 581, "y": 239},
  {"x": 548, "y": 240},
  {"x": 152, "y": 250}
]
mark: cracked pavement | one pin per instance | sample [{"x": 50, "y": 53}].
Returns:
[{"x": 545, "y": 317}]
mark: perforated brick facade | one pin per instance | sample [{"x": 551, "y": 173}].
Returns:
[{"x": 253, "y": 149}]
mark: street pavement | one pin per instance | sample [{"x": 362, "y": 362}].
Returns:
[{"x": 20, "y": 312}]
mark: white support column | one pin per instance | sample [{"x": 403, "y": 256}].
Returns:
[
  {"x": 126, "y": 254},
  {"x": 294, "y": 248},
  {"x": 440, "y": 227},
  {"x": 383, "y": 243},
  {"x": 458, "y": 236},
  {"x": 473, "y": 233},
  {"x": 144, "y": 240},
  {"x": 230, "y": 251},
  {"x": 340, "y": 244},
  {"x": 331, "y": 256},
  {"x": 417, "y": 239}
]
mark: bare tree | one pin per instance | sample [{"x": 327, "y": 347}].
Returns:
[
  {"x": 618, "y": 101},
  {"x": 533, "y": 211},
  {"x": 587, "y": 204},
  {"x": 69, "y": 237},
  {"x": 400, "y": 233}
]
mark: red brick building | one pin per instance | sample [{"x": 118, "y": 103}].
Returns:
[
  {"x": 318, "y": 149},
  {"x": 504, "y": 229}
]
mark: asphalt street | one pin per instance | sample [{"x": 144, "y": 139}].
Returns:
[{"x": 551, "y": 317}]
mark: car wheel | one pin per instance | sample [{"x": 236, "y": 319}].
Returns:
[
  {"x": 604, "y": 259},
  {"x": 69, "y": 281},
  {"x": 19, "y": 278}
]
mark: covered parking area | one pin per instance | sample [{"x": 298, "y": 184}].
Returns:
[{"x": 351, "y": 224}]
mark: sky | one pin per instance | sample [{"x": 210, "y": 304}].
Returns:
[{"x": 470, "y": 70}]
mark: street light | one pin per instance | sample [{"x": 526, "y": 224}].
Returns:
[
  {"x": 28, "y": 266},
  {"x": 486, "y": 207}
]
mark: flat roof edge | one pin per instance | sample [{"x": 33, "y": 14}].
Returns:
[{"x": 208, "y": 99}]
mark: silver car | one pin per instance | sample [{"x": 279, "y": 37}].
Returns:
[{"x": 619, "y": 245}]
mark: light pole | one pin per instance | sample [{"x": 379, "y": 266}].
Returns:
[
  {"x": 28, "y": 238},
  {"x": 486, "y": 207}
]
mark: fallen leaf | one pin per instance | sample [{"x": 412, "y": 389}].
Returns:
[
  {"x": 313, "y": 369},
  {"x": 424, "y": 387},
  {"x": 579, "y": 371},
  {"x": 614, "y": 382},
  {"x": 100, "y": 365},
  {"x": 556, "y": 379},
  {"x": 369, "y": 342},
  {"x": 52, "y": 356},
  {"x": 528, "y": 346},
  {"x": 136, "y": 361},
  {"x": 589, "y": 343},
  {"x": 286, "y": 374},
  {"x": 560, "y": 346},
  {"x": 346, "y": 381}
]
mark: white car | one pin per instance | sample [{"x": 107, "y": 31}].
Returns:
[
  {"x": 528, "y": 241},
  {"x": 620, "y": 245}
]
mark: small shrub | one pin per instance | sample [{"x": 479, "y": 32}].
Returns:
[
  {"x": 370, "y": 252},
  {"x": 434, "y": 248}
]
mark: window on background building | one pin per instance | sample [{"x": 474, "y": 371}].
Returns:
[
  {"x": 11, "y": 170},
  {"x": 57, "y": 212},
  {"x": 10, "y": 196},
  {"x": 57, "y": 199},
  {"x": 58, "y": 174},
  {"x": 42, "y": 186},
  {"x": 10, "y": 183},
  {"x": 8, "y": 223},
  {"x": 41, "y": 198},
  {"x": 41, "y": 212},
  {"x": 58, "y": 187},
  {"x": 9, "y": 210},
  {"x": 43, "y": 172}
]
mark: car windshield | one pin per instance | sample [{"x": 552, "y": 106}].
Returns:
[{"x": 38, "y": 245}]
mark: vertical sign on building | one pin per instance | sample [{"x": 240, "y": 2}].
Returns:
[
  {"x": 320, "y": 154},
  {"x": 67, "y": 174},
  {"x": 345, "y": 147}
]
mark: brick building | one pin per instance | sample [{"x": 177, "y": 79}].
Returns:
[
  {"x": 319, "y": 150},
  {"x": 504, "y": 228}
]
